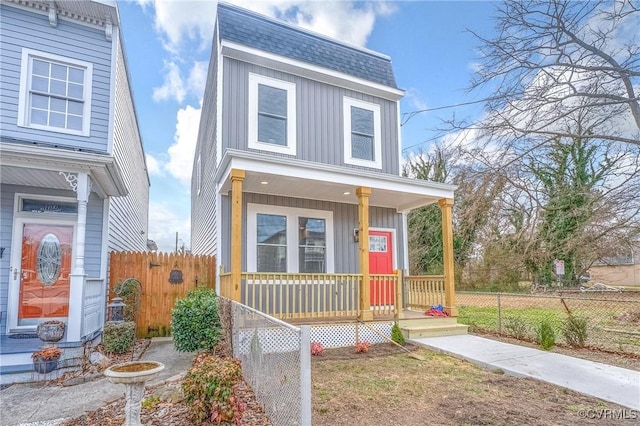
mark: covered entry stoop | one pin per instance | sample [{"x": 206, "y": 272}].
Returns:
[{"x": 415, "y": 325}]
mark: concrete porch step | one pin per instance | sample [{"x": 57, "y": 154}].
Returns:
[
  {"x": 435, "y": 330},
  {"x": 425, "y": 321}
]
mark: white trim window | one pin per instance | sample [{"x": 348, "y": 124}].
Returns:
[
  {"x": 272, "y": 115},
  {"x": 285, "y": 239},
  {"x": 362, "y": 133},
  {"x": 55, "y": 93}
]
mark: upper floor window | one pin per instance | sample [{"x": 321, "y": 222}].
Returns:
[
  {"x": 55, "y": 93},
  {"x": 272, "y": 114},
  {"x": 362, "y": 133}
]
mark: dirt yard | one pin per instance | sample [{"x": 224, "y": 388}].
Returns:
[{"x": 387, "y": 387}]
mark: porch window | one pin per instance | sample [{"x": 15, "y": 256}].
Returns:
[
  {"x": 272, "y": 243},
  {"x": 54, "y": 93},
  {"x": 272, "y": 117},
  {"x": 289, "y": 239},
  {"x": 362, "y": 133},
  {"x": 311, "y": 239}
]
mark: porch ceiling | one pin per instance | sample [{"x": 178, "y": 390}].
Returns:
[
  {"x": 40, "y": 166},
  {"x": 301, "y": 179}
]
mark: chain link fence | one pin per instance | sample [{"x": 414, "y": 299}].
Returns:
[
  {"x": 612, "y": 319},
  {"x": 276, "y": 361}
]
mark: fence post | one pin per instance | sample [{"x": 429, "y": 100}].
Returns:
[
  {"x": 499, "y": 315},
  {"x": 305, "y": 375}
]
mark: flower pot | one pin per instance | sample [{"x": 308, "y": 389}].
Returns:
[
  {"x": 44, "y": 366},
  {"x": 50, "y": 331}
]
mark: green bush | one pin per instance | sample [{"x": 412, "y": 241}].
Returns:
[
  {"x": 209, "y": 389},
  {"x": 396, "y": 334},
  {"x": 516, "y": 327},
  {"x": 574, "y": 330},
  {"x": 195, "y": 321},
  {"x": 118, "y": 337},
  {"x": 130, "y": 290},
  {"x": 546, "y": 335}
]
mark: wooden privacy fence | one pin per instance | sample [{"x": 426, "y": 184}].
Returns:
[{"x": 164, "y": 278}]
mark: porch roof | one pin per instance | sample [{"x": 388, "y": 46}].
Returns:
[
  {"x": 35, "y": 165},
  {"x": 266, "y": 174}
]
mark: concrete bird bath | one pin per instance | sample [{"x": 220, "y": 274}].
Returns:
[{"x": 133, "y": 375}]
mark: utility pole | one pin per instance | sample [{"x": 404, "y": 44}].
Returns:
[{"x": 176, "y": 241}]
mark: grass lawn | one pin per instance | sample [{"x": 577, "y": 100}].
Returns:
[{"x": 400, "y": 390}]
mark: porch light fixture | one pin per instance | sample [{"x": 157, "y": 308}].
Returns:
[
  {"x": 115, "y": 310},
  {"x": 264, "y": 182},
  {"x": 346, "y": 193},
  {"x": 356, "y": 235}
]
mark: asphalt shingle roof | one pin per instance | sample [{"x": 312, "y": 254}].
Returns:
[{"x": 253, "y": 30}]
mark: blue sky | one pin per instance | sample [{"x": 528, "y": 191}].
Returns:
[{"x": 168, "y": 45}]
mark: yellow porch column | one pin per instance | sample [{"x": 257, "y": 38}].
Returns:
[
  {"x": 446, "y": 205},
  {"x": 237, "y": 177},
  {"x": 363, "y": 194}
]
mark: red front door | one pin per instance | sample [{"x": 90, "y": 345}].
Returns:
[
  {"x": 381, "y": 262},
  {"x": 45, "y": 268}
]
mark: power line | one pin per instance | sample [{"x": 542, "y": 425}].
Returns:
[{"x": 406, "y": 116}]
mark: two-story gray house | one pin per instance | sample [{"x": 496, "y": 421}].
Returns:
[
  {"x": 297, "y": 185},
  {"x": 74, "y": 183}
]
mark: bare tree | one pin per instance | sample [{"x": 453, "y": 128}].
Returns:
[{"x": 552, "y": 59}]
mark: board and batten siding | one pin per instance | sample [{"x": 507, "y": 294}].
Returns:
[
  {"x": 20, "y": 29},
  {"x": 93, "y": 245},
  {"x": 345, "y": 219},
  {"x": 128, "y": 215},
  {"x": 319, "y": 117},
  {"x": 203, "y": 202}
]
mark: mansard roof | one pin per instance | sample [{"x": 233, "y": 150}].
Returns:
[{"x": 276, "y": 37}]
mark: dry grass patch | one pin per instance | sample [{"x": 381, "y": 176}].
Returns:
[{"x": 400, "y": 390}]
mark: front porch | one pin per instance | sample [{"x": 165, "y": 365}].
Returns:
[{"x": 333, "y": 299}]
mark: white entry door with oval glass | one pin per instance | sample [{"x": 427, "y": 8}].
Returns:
[{"x": 39, "y": 284}]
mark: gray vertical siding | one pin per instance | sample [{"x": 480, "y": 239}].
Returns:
[
  {"x": 345, "y": 219},
  {"x": 128, "y": 215},
  {"x": 319, "y": 116},
  {"x": 24, "y": 29},
  {"x": 203, "y": 204},
  {"x": 93, "y": 246}
]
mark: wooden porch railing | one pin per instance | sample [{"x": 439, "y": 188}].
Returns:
[
  {"x": 383, "y": 294},
  {"x": 292, "y": 296},
  {"x": 298, "y": 296},
  {"x": 423, "y": 291}
]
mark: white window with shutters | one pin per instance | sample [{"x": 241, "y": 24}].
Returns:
[
  {"x": 55, "y": 93},
  {"x": 272, "y": 115},
  {"x": 362, "y": 133}
]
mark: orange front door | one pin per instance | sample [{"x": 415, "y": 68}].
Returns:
[
  {"x": 381, "y": 262},
  {"x": 45, "y": 267}
]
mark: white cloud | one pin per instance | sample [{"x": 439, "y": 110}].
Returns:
[
  {"x": 173, "y": 86},
  {"x": 153, "y": 165},
  {"x": 198, "y": 78},
  {"x": 164, "y": 222},
  {"x": 182, "y": 151},
  {"x": 180, "y": 20},
  {"x": 415, "y": 101}
]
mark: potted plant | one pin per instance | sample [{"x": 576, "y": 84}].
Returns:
[
  {"x": 50, "y": 331},
  {"x": 46, "y": 360}
]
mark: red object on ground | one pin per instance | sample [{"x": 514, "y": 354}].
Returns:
[{"x": 436, "y": 313}]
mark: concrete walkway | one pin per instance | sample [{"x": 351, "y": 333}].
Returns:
[
  {"x": 614, "y": 384},
  {"x": 41, "y": 404}
]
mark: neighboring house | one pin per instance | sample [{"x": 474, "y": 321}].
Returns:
[
  {"x": 297, "y": 186},
  {"x": 74, "y": 183},
  {"x": 619, "y": 271}
]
